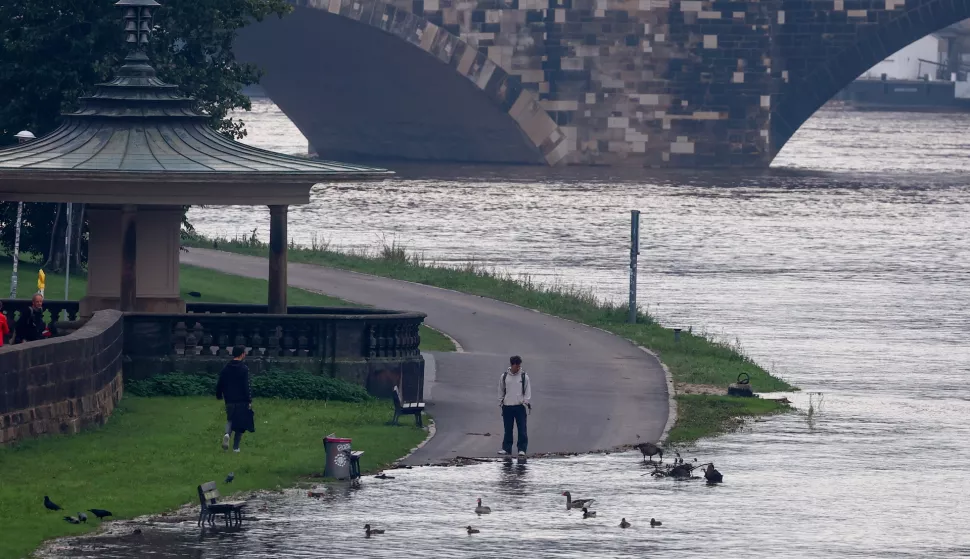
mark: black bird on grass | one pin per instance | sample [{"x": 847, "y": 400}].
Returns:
[
  {"x": 230, "y": 477},
  {"x": 72, "y": 520},
  {"x": 100, "y": 513},
  {"x": 82, "y": 517},
  {"x": 51, "y": 505}
]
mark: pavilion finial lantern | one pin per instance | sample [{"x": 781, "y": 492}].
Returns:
[
  {"x": 138, "y": 16},
  {"x": 136, "y": 152}
]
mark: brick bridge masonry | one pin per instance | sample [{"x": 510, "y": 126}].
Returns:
[{"x": 655, "y": 83}]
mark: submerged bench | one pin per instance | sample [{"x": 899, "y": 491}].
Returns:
[
  {"x": 410, "y": 408},
  {"x": 355, "y": 464},
  {"x": 209, "y": 499}
]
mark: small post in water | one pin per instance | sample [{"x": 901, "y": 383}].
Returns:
[{"x": 634, "y": 252}]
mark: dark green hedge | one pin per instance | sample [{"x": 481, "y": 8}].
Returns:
[{"x": 284, "y": 385}]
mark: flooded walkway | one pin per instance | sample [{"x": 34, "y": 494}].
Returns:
[
  {"x": 591, "y": 390},
  {"x": 428, "y": 508},
  {"x": 768, "y": 506}
]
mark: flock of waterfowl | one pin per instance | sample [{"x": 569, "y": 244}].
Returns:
[{"x": 679, "y": 470}]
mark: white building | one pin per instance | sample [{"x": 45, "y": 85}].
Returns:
[{"x": 910, "y": 62}]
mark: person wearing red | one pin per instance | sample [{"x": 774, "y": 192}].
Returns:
[{"x": 4, "y": 326}]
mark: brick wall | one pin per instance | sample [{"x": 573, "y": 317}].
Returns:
[{"x": 63, "y": 384}]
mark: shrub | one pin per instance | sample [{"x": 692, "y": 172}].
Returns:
[
  {"x": 306, "y": 386},
  {"x": 175, "y": 384},
  {"x": 296, "y": 385}
]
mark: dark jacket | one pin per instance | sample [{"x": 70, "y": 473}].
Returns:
[
  {"x": 31, "y": 326},
  {"x": 233, "y": 385}
]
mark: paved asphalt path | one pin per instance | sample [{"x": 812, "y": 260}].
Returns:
[{"x": 590, "y": 390}]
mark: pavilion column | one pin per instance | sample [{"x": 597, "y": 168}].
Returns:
[
  {"x": 129, "y": 244},
  {"x": 277, "y": 259}
]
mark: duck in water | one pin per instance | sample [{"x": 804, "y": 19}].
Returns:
[
  {"x": 588, "y": 513},
  {"x": 654, "y": 523},
  {"x": 471, "y": 530},
  {"x": 624, "y": 523},
  {"x": 711, "y": 475},
  {"x": 480, "y": 509},
  {"x": 576, "y": 503},
  {"x": 371, "y": 532}
]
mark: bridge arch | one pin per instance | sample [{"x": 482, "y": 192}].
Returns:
[
  {"x": 819, "y": 57},
  {"x": 418, "y": 92}
]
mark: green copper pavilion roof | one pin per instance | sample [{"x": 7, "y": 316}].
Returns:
[{"x": 137, "y": 127}]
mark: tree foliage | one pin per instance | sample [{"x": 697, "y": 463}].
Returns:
[{"x": 54, "y": 51}]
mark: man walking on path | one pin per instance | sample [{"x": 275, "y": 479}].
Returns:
[
  {"x": 233, "y": 385},
  {"x": 514, "y": 392}
]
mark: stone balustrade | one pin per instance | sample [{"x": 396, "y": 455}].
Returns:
[{"x": 375, "y": 348}]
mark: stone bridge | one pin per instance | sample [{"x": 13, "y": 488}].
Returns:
[{"x": 654, "y": 83}]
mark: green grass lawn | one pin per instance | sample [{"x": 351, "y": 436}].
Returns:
[
  {"x": 696, "y": 359},
  {"x": 701, "y": 416},
  {"x": 215, "y": 287},
  {"x": 153, "y": 452}
]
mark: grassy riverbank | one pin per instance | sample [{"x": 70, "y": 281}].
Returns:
[
  {"x": 697, "y": 413},
  {"x": 153, "y": 453},
  {"x": 695, "y": 359},
  {"x": 214, "y": 287}
]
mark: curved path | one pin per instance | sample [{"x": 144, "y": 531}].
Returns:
[{"x": 591, "y": 390}]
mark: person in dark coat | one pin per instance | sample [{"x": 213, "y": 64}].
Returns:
[
  {"x": 233, "y": 387},
  {"x": 31, "y": 326}
]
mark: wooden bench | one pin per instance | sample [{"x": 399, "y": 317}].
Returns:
[
  {"x": 401, "y": 408},
  {"x": 209, "y": 499}
]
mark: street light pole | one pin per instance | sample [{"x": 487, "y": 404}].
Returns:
[
  {"x": 23, "y": 137},
  {"x": 634, "y": 253},
  {"x": 67, "y": 255},
  {"x": 16, "y": 250}
]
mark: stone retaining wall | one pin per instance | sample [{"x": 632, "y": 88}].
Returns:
[{"x": 63, "y": 384}]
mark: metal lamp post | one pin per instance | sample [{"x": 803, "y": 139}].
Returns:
[
  {"x": 67, "y": 254},
  {"x": 23, "y": 137},
  {"x": 634, "y": 253}
]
